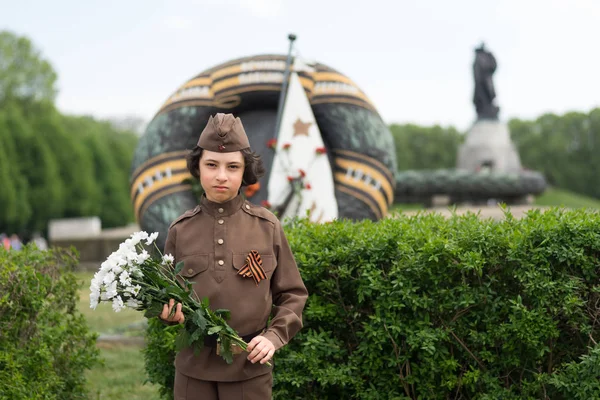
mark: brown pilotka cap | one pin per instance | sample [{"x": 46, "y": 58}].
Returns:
[{"x": 223, "y": 133}]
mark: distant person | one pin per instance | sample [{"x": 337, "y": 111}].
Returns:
[
  {"x": 15, "y": 242},
  {"x": 39, "y": 241},
  {"x": 5, "y": 241}
]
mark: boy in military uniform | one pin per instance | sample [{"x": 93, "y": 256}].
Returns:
[{"x": 237, "y": 255}]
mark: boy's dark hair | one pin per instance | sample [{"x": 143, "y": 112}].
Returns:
[{"x": 253, "y": 165}]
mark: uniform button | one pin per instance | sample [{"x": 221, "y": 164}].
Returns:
[
  {"x": 247, "y": 207},
  {"x": 220, "y": 241},
  {"x": 220, "y": 210},
  {"x": 221, "y": 262},
  {"x": 190, "y": 271},
  {"x": 220, "y": 222}
]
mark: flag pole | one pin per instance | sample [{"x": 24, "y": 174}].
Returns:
[{"x": 282, "y": 94}]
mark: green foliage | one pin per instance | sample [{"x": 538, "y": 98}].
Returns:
[
  {"x": 460, "y": 185},
  {"x": 37, "y": 165},
  {"x": 419, "y": 147},
  {"x": 16, "y": 209},
  {"x": 73, "y": 159},
  {"x": 109, "y": 152},
  {"x": 45, "y": 343},
  {"x": 65, "y": 167},
  {"x": 159, "y": 355},
  {"x": 24, "y": 74},
  {"x": 579, "y": 380},
  {"x": 564, "y": 148},
  {"x": 109, "y": 176},
  {"x": 54, "y": 166},
  {"x": 430, "y": 308}
]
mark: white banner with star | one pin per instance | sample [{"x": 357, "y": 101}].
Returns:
[{"x": 301, "y": 180}]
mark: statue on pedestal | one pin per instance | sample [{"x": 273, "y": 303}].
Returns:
[{"x": 484, "y": 67}]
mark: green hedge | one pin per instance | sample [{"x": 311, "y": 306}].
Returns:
[
  {"x": 45, "y": 344},
  {"x": 463, "y": 308}
]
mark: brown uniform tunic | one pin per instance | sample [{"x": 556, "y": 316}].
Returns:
[{"x": 213, "y": 241}]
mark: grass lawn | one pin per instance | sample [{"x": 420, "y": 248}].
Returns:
[
  {"x": 122, "y": 375},
  {"x": 399, "y": 207},
  {"x": 552, "y": 197},
  {"x": 562, "y": 198}
]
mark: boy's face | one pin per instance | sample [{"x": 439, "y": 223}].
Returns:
[{"x": 221, "y": 174}]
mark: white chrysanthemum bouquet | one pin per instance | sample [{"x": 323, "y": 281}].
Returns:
[{"x": 131, "y": 277}]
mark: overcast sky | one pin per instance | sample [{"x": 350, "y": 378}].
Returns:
[{"x": 412, "y": 58}]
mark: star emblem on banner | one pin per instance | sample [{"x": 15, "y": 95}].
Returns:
[{"x": 301, "y": 128}]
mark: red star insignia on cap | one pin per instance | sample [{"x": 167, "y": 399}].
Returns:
[{"x": 221, "y": 147}]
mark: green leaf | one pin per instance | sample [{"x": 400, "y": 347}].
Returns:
[
  {"x": 179, "y": 267},
  {"x": 154, "y": 310},
  {"x": 182, "y": 340},
  {"x": 215, "y": 329},
  {"x": 197, "y": 335},
  {"x": 199, "y": 320},
  {"x": 225, "y": 350},
  {"x": 223, "y": 313}
]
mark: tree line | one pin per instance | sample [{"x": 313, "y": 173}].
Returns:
[{"x": 54, "y": 165}]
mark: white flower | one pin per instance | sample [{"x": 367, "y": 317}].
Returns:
[
  {"x": 133, "y": 289},
  {"x": 111, "y": 290},
  {"x": 94, "y": 293},
  {"x": 120, "y": 259},
  {"x": 135, "y": 271},
  {"x": 114, "y": 280},
  {"x": 126, "y": 252},
  {"x": 131, "y": 257},
  {"x": 127, "y": 244},
  {"x": 125, "y": 278},
  {"x": 107, "y": 265},
  {"x": 136, "y": 289},
  {"x": 167, "y": 259},
  {"x": 99, "y": 276},
  {"x": 137, "y": 237},
  {"x": 151, "y": 238},
  {"x": 117, "y": 304},
  {"x": 109, "y": 278},
  {"x": 95, "y": 283},
  {"x": 94, "y": 301},
  {"x": 133, "y": 303},
  {"x": 143, "y": 256}
]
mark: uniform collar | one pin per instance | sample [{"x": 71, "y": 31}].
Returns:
[{"x": 221, "y": 209}]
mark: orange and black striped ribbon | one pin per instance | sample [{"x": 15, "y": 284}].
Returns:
[{"x": 253, "y": 268}]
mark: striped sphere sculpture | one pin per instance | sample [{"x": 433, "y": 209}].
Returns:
[{"x": 359, "y": 145}]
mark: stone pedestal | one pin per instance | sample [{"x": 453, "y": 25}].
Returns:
[{"x": 488, "y": 146}]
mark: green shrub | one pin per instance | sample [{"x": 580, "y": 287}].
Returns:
[
  {"x": 159, "y": 356},
  {"x": 431, "y": 308},
  {"x": 45, "y": 344}
]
